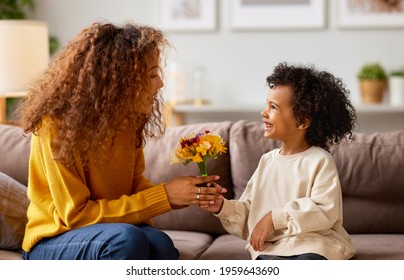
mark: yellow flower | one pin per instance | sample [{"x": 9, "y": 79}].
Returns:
[{"x": 198, "y": 148}]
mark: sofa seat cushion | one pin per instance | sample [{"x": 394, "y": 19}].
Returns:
[
  {"x": 227, "y": 247},
  {"x": 190, "y": 244},
  {"x": 378, "y": 246},
  {"x": 10, "y": 255}
]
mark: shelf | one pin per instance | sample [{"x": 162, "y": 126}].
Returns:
[
  {"x": 239, "y": 108},
  {"x": 217, "y": 108},
  {"x": 371, "y": 118},
  {"x": 379, "y": 109},
  {"x": 13, "y": 94}
]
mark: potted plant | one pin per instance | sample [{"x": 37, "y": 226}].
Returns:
[
  {"x": 396, "y": 87},
  {"x": 16, "y": 9},
  {"x": 372, "y": 82}
]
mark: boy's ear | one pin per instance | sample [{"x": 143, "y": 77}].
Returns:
[{"x": 305, "y": 123}]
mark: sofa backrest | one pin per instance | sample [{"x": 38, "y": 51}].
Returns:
[
  {"x": 371, "y": 170},
  {"x": 14, "y": 152},
  {"x": 247, "y": 145}
]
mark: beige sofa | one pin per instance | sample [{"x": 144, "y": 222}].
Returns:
[{"x": 371, "y": 172}]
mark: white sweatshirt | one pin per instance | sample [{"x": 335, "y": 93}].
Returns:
[{"x": 304, "y": 194}]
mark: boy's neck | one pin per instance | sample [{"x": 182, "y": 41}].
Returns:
[{"x": 295, "y": 148}]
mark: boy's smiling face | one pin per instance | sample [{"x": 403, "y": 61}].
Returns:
[
  {"x": 279, "y": 120},
  {"x": 278, "y": 117}
]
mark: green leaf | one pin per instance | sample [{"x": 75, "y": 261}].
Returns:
[{"x": 372, "y": 71}]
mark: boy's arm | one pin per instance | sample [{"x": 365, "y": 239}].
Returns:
[
  {"x": 233, "y": 214},
  {"x": 262, "y": 232},
  {"x": 234, "y": 217}
]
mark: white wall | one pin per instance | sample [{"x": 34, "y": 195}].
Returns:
[{"x": 236, "y": 63}]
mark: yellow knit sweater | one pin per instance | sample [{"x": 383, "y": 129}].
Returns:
[{"x": 113, "y": 191}]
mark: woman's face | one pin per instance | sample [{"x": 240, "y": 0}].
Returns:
[{"x": 147, "y": 97}]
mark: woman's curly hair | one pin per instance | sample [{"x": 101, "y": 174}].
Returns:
[
  {"x": 91, "y": 87},
  {"x": 321, "y": 98}
]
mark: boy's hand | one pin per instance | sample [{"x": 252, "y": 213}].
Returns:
[
  {"x": 214, "y": 206},
  {"x": 262, "y": 231}
]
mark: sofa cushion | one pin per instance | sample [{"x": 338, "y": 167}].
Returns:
[
  {"x": 247, "y": 145},
  {"x": 372, "y": 181},
  {"x": 13, "y": 212},
  {"x": 158, "y": 169},
  {"x": 191, "y": 218},
  {"x": 378, "y": 246},
  {"x": 10, "y": 255},
  {"x": 14, "y": 151},
  {"x": 227, "y": 247},
  {"x": 190, "y": 244}
]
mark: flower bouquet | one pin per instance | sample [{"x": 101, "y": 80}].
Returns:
[{"x": 198, "y": 148}]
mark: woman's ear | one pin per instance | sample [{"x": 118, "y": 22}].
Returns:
[{"x": 305, "y": 123}]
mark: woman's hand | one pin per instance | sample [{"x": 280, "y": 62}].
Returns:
[
  {"x": 184, "y": 191},
  {"x": 262, "y": 231}
]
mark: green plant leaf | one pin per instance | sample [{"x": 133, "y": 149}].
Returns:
[
  {"x": 16, "y": 9},
  {"x": 372, "y": 71}
]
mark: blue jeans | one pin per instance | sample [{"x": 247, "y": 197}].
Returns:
[
  {"x": 307, "y": 256},
  {"x": 106, "y": 242}
]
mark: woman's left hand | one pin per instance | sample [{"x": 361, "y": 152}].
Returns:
[{"x": 184, "y": 190}]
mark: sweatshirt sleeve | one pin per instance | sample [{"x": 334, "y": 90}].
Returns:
[
  {"x": 234, "y": 213},
  {"x": 63, "y": 194},
  {"x": 318, "y": 211}
]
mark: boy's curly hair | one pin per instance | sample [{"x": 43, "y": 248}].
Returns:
[
  {"x": 320, "y": 97},
  {"x": 90, "y": 89}
]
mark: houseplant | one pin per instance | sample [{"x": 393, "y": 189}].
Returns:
[
  {"x": 372, "y": 82},
  {"x": 16, "y": 9},
  {"x": 396, "y": 87}
]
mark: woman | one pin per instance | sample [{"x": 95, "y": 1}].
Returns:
[{"x": 90, "y": 114}]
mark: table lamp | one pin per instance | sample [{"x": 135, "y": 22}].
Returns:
[{"x": 24, "y": 53}]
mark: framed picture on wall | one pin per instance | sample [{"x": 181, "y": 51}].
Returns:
[
  {"x": 370, "y": 13},
  {"x": 188, "y": 15},
  {"x": 277, "y": 14}
]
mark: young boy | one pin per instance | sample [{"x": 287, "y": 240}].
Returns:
[{"x": 292, "y": 205}]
